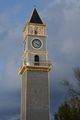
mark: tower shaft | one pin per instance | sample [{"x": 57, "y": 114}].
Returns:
[{"x": 35, "y": 96}]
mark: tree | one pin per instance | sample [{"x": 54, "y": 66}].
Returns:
[
  {"x": 70, "y": 110},
  {"x": 72, "y": 90}
]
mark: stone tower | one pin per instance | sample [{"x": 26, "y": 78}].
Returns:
[{"x": 35, "y": 93}]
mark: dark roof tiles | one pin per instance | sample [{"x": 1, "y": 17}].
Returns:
[{"x": 35, "y": 18}]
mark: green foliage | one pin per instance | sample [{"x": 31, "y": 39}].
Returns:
[{"x": 70, "y": 110}]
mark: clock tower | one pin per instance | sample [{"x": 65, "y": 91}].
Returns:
[{"x": 35, "y": 90}]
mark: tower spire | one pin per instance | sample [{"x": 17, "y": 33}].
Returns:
[{"x": 35, "y": 18}]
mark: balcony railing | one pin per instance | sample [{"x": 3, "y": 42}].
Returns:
[{"x": 40, "y": 63}]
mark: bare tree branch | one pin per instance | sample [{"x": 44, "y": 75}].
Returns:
[
  {"x": 71, "y": 89},
  {"x": 77, "y": 73}
]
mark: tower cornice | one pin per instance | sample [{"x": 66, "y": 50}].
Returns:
[
  {"x": 25, "y": 68},
  {"x": 36, "y": 24},
  {"x": 34, "y": 36},
  {"x": 34, "y": 52}
]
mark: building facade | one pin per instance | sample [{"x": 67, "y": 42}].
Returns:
[{"x": 35, "y": 90}]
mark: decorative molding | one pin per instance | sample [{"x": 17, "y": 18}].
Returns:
[
  {"x": 34, "y": 52},
  {"x": 25, "y": 68},
  {"x": 27, "y": 24}
]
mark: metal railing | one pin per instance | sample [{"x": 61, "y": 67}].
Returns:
[{"x": 33, "y": 63}]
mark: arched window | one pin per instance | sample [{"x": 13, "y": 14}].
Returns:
[{"x": 36, "y": 60}]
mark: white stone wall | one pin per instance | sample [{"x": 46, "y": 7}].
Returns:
[{"x": 35, "y": 96}]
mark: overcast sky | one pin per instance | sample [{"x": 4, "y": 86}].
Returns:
[{"x": 63, "y": 20}]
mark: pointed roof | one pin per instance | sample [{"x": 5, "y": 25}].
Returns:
[{"x": 35, "y": 18}]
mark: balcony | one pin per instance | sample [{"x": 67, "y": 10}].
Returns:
[
  {"x": 40, "y": 63},
  {"x": 31, "y": 65}
]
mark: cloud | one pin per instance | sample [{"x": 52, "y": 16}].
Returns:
[
  {"x": 10, "y": 42},
  {"x": 16, "y": 117},
  {"x": 13, "y": 117},
  {"x": 10, "y": 38},
  {"x": 63, "y": 20}
]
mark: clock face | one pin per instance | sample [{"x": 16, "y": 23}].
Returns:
[{"x": 36, "y": 43}]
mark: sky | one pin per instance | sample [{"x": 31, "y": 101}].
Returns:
[{"x": 63, "y": 21}]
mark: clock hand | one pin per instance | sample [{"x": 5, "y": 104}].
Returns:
[{"x": 37, "y": 44}]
